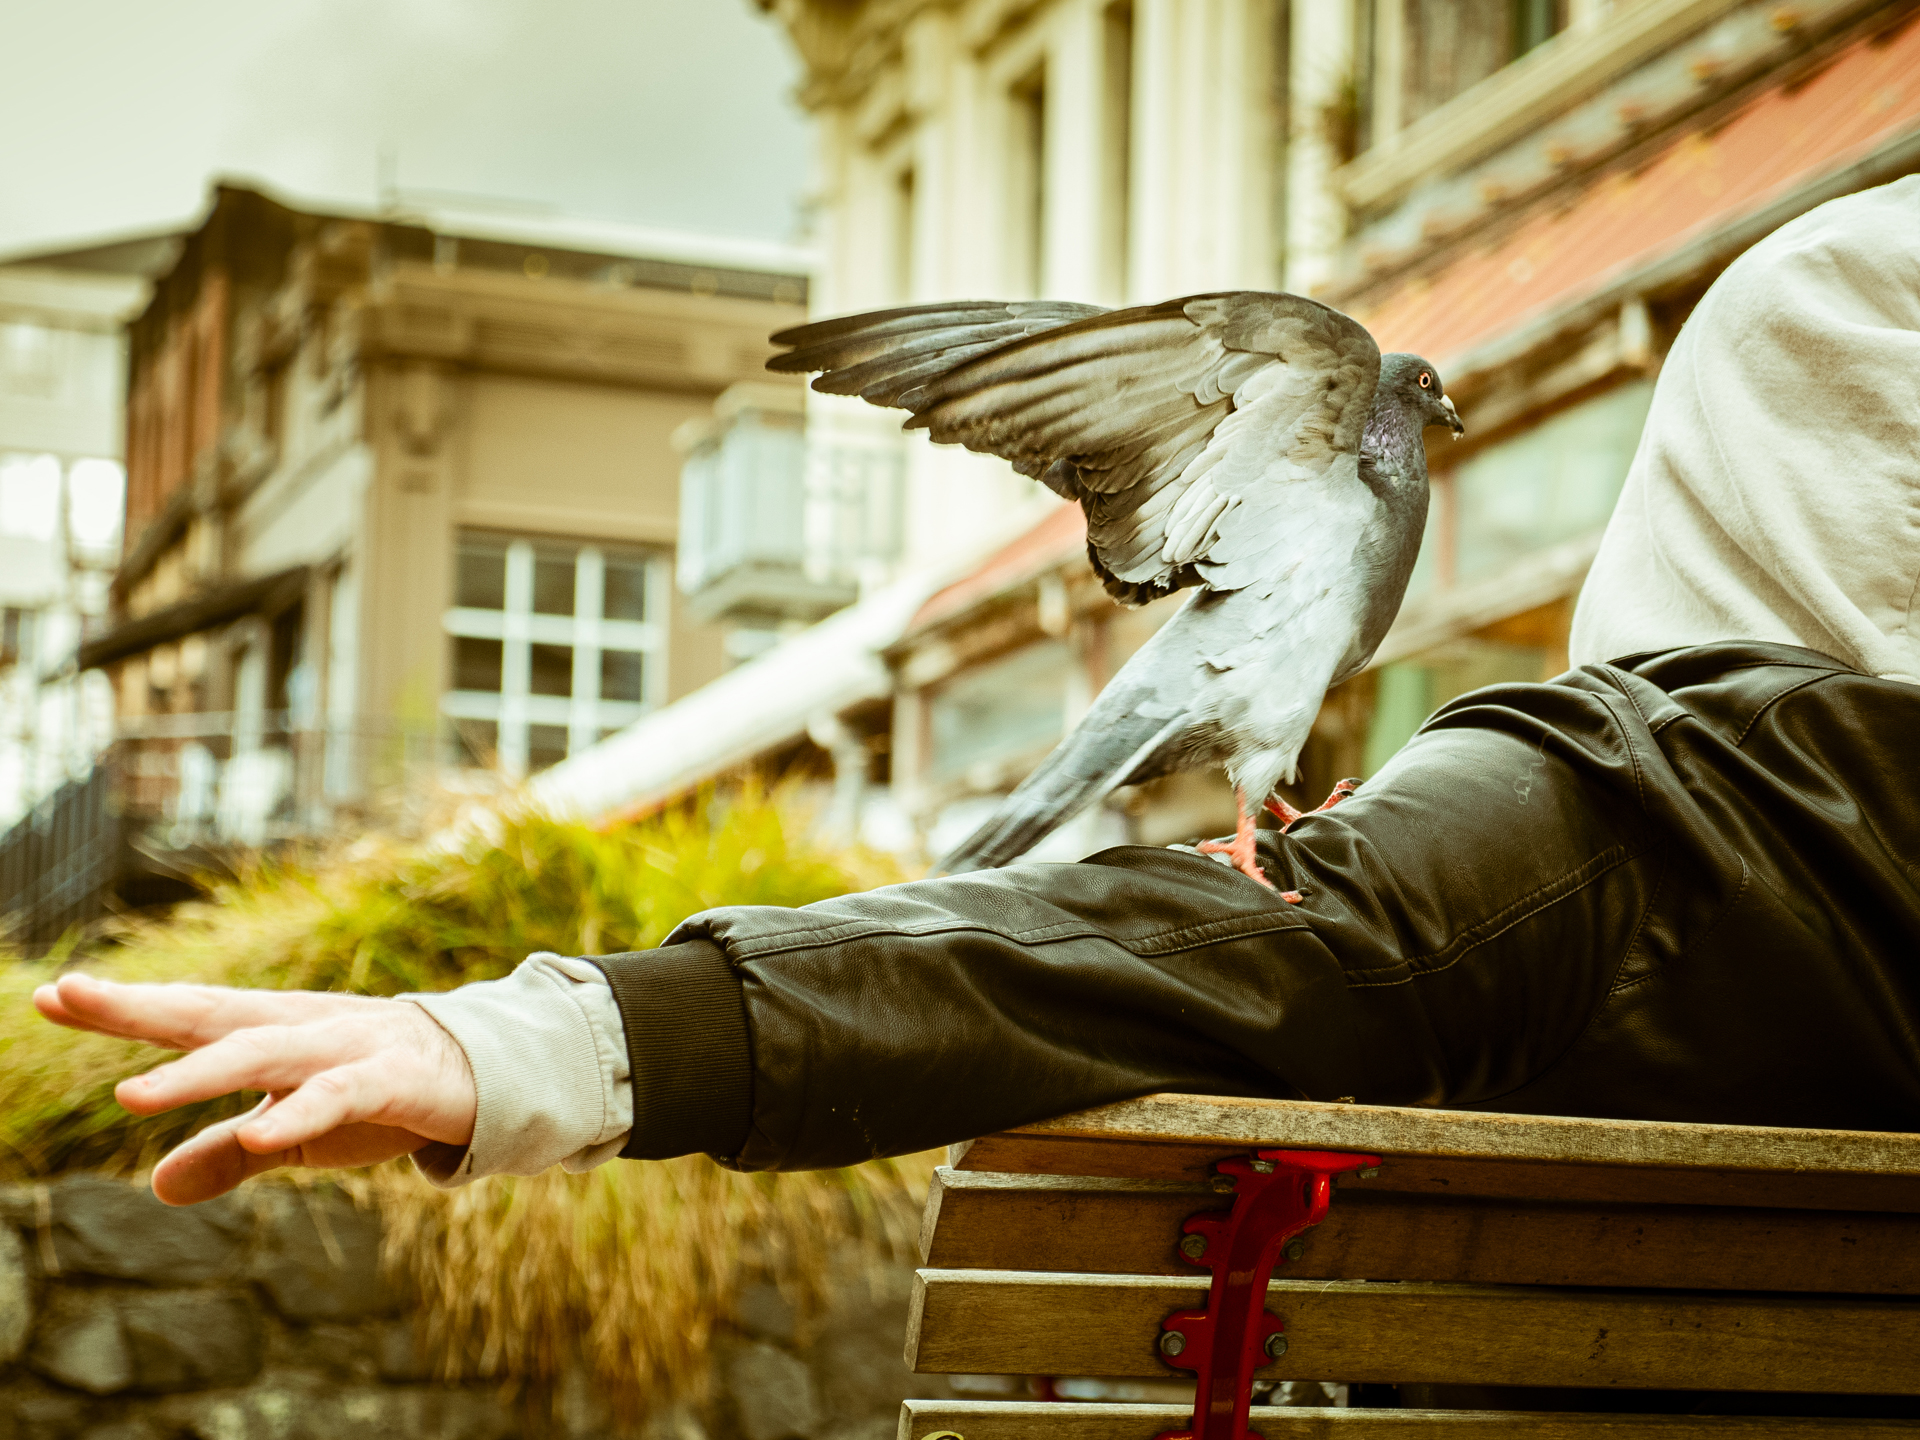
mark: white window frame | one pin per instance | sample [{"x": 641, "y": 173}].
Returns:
[{"x": 584, "y": 714}]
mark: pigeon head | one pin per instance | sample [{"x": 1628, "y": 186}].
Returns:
[{"x": 1414, "y": 386}]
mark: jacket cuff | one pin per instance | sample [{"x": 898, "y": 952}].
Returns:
[
  {"x": 544, "y": 1045},
  {"x": 684, "y": 1011}
]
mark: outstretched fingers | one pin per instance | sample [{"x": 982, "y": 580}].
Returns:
[
  {"x": 352, "y": 1080},
  {"x": 216, "y": 1160},
  {"x": 177, "y": 1017},
  {"x": 348, "y": 1095},
  {"x": 262, "y": 1057}
]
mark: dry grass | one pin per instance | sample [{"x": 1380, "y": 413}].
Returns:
[{"x": 623, "y": 1271}]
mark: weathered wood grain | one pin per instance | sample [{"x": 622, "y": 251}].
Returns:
[
  {"x": 1463, "y": 1152},
  {"x": 987, "y": 1420},
  {"x": 990, "y": 1221},
  {"x": 1483, "y": 1134},
  {"x": 1025, "y": 1323}
]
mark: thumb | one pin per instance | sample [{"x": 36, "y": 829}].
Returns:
[{"x": 213, "y": 1162}]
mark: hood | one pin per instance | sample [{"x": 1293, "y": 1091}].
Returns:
[{"x": 1775, "y": 494}]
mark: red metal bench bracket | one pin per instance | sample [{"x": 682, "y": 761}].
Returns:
[{"x": 1277, "y": 1194}]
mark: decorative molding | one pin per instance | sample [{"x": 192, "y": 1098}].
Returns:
[
  {"x": 1512, "y": 101},
  {"x": 571, "y": 330},
  {"x": 540, "y": 518}
]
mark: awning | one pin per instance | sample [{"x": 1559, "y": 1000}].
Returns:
[
  {"x": 266, "y": 594},
  {"x": 1763, "y": 165}
]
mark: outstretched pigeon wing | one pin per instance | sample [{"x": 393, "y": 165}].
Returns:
[
  {"x": 883, "y": 354},
  {"x": 1159, "y": 420}
]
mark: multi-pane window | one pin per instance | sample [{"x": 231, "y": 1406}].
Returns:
[{"x": 554, "y": 646}]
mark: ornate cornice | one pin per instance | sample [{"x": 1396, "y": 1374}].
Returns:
[{"x": 844, "y": 43}]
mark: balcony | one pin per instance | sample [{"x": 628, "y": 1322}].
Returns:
[{"x": 778, "y": 525}]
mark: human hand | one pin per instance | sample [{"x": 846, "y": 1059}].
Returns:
[{"x": 350, "y": 1080}]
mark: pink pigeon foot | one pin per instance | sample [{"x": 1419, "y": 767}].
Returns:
[
  {"x": 1241, "y": 850},
  {"x": 1288, "y": 816}
]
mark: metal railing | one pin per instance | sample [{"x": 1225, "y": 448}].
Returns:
[
  {"x": 219, "y": 778},
  {"x": 195, "y": 785},
  {"x": 60, "y": 861}
]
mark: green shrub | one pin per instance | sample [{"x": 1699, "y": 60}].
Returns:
[{"x": 624, "y": 1269}]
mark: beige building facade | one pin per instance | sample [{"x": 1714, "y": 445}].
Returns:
[{"x": 402, "y": 503}]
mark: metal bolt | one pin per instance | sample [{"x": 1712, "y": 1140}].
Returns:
[
  {"x": 1276, "y": 1346},
  {"x": 1295, "y": 1249},
  {"x": 1222, "y": 1184},
  {"x": 1193, "y": 1246},
  {"x": 1368, "y": 1173},
  {"x": 1263, "y": 1167},
  {"x": 1172, "y": 1342}
]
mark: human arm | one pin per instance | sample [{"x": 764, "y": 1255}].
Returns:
[
  {"x": 1601, "y": 896},
  {"x": 891, "y": 1021}
]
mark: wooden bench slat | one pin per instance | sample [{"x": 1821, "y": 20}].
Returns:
[
  {"x": 1472, "y": 1152},
  {"x": 990, "y": 1221},
  {"x": 989, "y": 1420},
  {"x": 1025, "y": 1323},
  {"x": 1493, "y": 1179}
]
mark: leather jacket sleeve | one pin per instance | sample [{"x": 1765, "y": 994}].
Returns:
[{"x": 1676, "y": 887}]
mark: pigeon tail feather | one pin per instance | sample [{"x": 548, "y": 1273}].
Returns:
[{"x": 1103, "y": 751}]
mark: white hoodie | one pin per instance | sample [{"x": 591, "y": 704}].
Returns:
[{"x": 1776, "y": 492}]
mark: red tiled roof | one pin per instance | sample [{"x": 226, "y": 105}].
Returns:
[
  {"x": 1060, "y": 536},
  {"x": 1867, "y": 95}
]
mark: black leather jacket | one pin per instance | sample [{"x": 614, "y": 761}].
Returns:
[{"x": 1683, "y": 886}]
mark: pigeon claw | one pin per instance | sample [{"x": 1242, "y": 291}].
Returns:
[
  {"x": 1282, "y": 811},
  {"x": 1240, "y": 850},
  {"x": 1341, "y": 790},
  {"x": 1289, "y": 817}
]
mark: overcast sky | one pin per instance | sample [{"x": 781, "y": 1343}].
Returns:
[{"x": 672, "y": 113}]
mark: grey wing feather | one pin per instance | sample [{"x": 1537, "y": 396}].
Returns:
[
  {"x": 882, "y": 355},
  {"x": 1140, "y": 414}
]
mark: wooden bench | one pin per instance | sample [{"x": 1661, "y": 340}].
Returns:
[{"x": 1524, "y": 1251}]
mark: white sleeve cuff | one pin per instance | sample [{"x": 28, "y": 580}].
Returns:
[{"x": 549, "y": 1059}]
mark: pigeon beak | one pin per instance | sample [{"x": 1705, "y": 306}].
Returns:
[{"x": 1453, "y": 416}]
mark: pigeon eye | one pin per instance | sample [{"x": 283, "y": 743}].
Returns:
[{"x": 1426, "y": 380}]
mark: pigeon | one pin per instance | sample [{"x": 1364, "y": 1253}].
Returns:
[{"x": 1252, "y": 448}]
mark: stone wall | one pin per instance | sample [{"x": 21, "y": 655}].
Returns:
[{"x": 263, "y": 1316}]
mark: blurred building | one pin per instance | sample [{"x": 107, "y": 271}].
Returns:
[
  {"x": 402, "y": 500},
  {"x": 1530, "y": 193},
  {"x": 62, "y": 377}
]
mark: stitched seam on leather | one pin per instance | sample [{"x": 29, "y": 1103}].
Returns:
[
  {"x": 1616, "y": 986},
  {"x": 1635, "y": 704},
  {"x": 1462, "y": 946},
  {"x": 1659, "y": 883},
  {"x": 1633, "y": 754},
  {"x": 1623, "y": 987},
  {"x": 1773, "y": 700},
  {"x": 1184, "y": 937},
  {"x": 1626, "y": 736}
]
